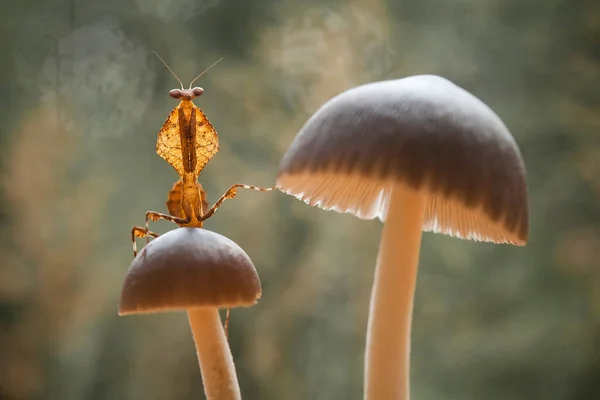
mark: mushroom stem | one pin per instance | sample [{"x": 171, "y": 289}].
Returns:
[
  {"x": 216, "y": 363},
  {"x": 387, "y": 358}
]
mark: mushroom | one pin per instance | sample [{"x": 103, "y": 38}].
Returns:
[
  {"x": 422, "y": 154},
  {"x": 199, "y": 271}
]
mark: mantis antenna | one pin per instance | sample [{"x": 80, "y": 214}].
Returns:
[
  {"x": 163, "y": 61},
  {"x": 201, "y": 73},
  {"x": 175, "y": 75}
]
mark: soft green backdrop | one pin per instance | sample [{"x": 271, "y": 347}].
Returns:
[{"x": 82, "y": 99}]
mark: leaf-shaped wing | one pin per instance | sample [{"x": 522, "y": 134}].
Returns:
[
  {"x": 168, "y": 144},
  {"x": 207, "y": 141}
]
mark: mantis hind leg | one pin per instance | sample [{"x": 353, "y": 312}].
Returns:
[
  {"x": 140, "y": 232},
  {"x": 230, "y": 194},
  {"x": 155, "y": 216}
]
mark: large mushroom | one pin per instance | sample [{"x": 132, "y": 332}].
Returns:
[
  {"x": 422, "y": 154},
  {"x": 199, "y": 271}
]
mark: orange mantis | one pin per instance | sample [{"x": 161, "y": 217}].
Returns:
[{"x": 187, "y": 141}]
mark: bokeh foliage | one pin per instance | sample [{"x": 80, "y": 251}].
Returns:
[{"x": 83, "y": 98}]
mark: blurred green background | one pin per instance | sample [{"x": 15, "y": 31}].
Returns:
[{"x": 82, "y": 99}]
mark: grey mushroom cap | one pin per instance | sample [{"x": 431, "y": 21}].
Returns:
[
  {"x": 426, "y": 133},
  {"x": 187, "y": 268}
]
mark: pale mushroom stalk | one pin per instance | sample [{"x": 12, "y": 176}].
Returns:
[
  {"x": 216, "y": 363},
  {"x": 422, "y": 154},
  {"x": 388, "y": 332}
]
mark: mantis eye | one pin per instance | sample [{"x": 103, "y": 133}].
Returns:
[
  {"x": 197, "y": 91},
  {"x": 176, "y": 93}
]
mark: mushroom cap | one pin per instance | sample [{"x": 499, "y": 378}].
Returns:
[
  {"x": 186, "y": 268},
  {"x": 423, "y": 132}
]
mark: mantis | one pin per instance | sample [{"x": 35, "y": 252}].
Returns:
[{"x": 187, "y": 141}]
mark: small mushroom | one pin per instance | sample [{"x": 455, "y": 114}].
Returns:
[
  {"x": 199, "y": 271},
  {"x": 422, "y": 154}
]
